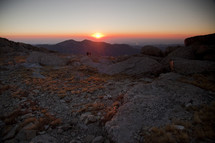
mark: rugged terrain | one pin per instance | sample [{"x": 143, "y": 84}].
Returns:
[{"x": 49, "y": 97}]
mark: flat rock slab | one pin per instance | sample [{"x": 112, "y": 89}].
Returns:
[
  {"x": 44, "y": 139},
  {"x": 147, "y": 105},
  {"x": 133, "y": 66},
  {"x": 46, "y": 59},
  {"x": 185, "y": 66}
]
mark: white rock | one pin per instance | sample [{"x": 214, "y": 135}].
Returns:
[
  {"x": 84, "y": 116},
  {"x": 90, "y": 119},
  {"x": 180, "y": 127}
]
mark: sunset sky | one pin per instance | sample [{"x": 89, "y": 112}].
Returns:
[{"x": 131, "y": 21}]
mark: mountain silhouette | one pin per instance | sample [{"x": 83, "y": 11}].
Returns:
[{"x": 95, "y": 48}]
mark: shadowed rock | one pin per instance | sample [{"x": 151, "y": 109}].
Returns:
[
  {"x": 200, "y": 40},
  {"x": 170, "y": 49},
  {"x": 7, "y": 46},
  {"x": 134, "y": 66},
  {"x": 184, "y": 52},
  {"x": 44, "y": 139},
  {"x": 151, "y": 50},
  {"x": 197, "y": 48},
  {"x": 46, "y": 59},
  {"x": 185, "y": 66},
  {"x": 203, "y": 46},
  {"x": 147, "y": 105}
]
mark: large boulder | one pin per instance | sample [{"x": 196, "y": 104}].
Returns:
[
  {"x": 47, "y": 59},
  {"x": 154, "y": 104},
  {"x": 200, "y": 40},
  {"x": 185, "y": 66},
  {"x": 134, "y": 66},
  {"x": 197, "y": 48},
  {"x": 170, "y": 49},
  {"x": 151, "y": 50},
  {"x": 183, "y": 52},
  {"x": 205, "y": 52},
  {"x": 203, "y": 46}
]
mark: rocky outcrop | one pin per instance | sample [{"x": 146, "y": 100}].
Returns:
[
  {"x": 185, "y": 66},
  {"x": 200, "y": 40},
  {"x": 147, "y": 105},
  {"x": 7, "y": 46},
  {"x": 197, "y": 48},
  {"x": 170, "y": 49},
  {"x": 184, "y": 52},
  {"x": 46, "y": 59},
  {"x": 204, "y": 52},
  {"x": 134, "y": 66},
  {"x": 203, "y": 46},
  {"x": 152, "y": 51}
]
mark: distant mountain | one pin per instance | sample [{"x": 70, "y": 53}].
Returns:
[{"x": 96, "y": 48}]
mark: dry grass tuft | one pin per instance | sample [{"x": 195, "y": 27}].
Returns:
[
  {"x": 4, "y": 88},
  {"x": 20, "y": 59},
  {"x": 19, "y": 94},
  {"x": 12, "y": 117},
  {"x": 27, "y": 121},
  {"x": 200, "y": 129},
  {"x": 55, "y": 123},
  {"x": 202, "y": 81},
  {"x": 110, "y": 112},
  {"x": 204, "y": 122},
  {"x": 169, "y": 134},
  {"x": 92, "y": 107}
]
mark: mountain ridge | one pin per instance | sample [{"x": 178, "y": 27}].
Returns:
[{"x": 96, "y": 48}]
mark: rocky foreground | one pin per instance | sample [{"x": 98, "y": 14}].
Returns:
[{"x": 49, "y": 97}]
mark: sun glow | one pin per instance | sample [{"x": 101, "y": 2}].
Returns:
[{"x": 97, "y": 35}]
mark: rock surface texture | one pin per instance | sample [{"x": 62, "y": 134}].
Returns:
[
  {"x": 46, "y": 59},
  {"x": 153, "y": 104},
  {"x": 134, "y": 66},
  {"x": 48, "y": 97}
]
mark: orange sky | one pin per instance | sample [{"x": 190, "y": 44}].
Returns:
[{"x": 26, "y": 20}]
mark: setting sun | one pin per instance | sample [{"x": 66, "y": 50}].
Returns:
[{"x": 97, "y": 35}]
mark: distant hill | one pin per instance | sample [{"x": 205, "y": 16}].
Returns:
[
  {"x": 96, "y": 48},
  {"x": 11, "y": 47}
]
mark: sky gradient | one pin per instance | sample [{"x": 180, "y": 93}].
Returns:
[{"x": 51, "y": 21}]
